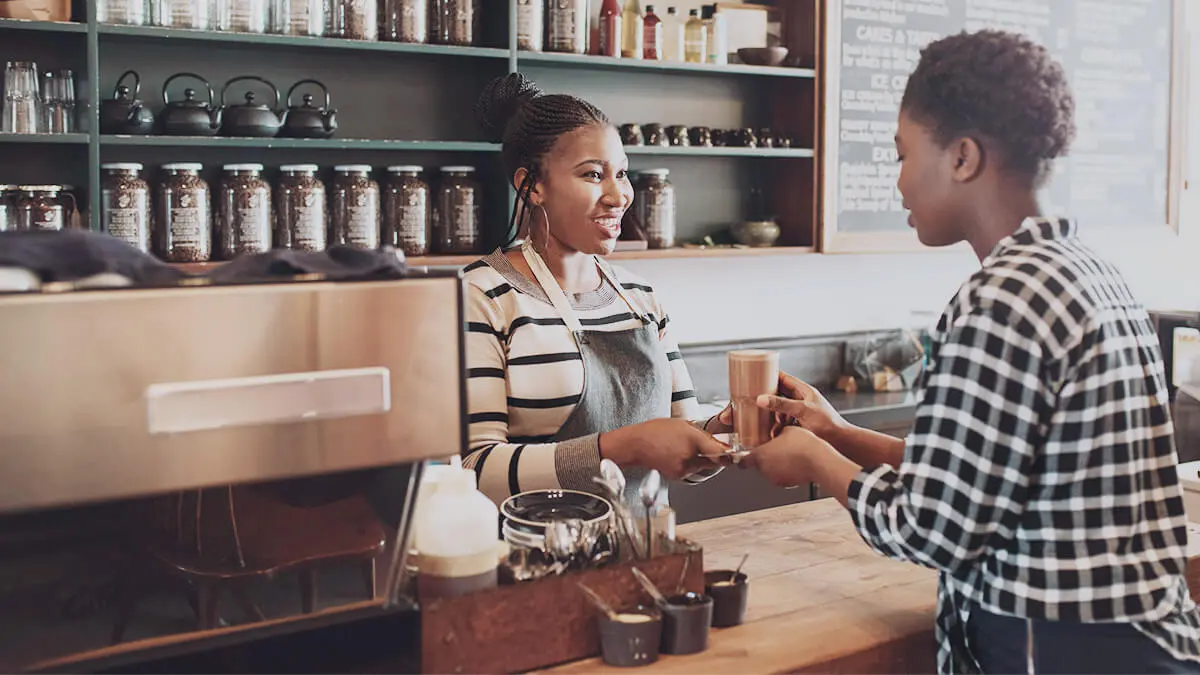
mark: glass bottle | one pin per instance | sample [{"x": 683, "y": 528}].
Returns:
[
  {"x": 610, "y": 28},
  {"x": 453, "y": 22},
  {"x": 354, "y": 207},
  {"x": 406, "y": 21},
  {"x": 652, "y": 35},
  {"x": 656, "y": 207},
  {"x": 300, "y": 209},
  {"x": 125, "y": 204},
  {"x": 243, "y": 211},
  {"x": 182, "y": 208},
  {"x": 631, "y": 29},
  {"x": 672, "y": 35},
  {"x": 531, "y": 24},
  {"x": 716, "y": 42},
  {"x": 406, "y": 211},
  {"x": 242, "y": 16},
  {"x": 458, "y": 226},
  {"x": 695, "y": 38},
  {"x": 567, "y": 26}
]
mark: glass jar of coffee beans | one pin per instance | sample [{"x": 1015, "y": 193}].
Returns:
[
  {"x": 458, "y": 228},
  {"x": 125, "y": 204},
  {"x": 182, "y": 204},
  {"x": 243, "y": 212},
  {"x": 354, "y": 207},
  {"x": 406, "y": 211},
  {"x": 300, "y": 208}
]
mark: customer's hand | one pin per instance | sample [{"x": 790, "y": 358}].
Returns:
[
  {"x": 673, "y": 447},
  {"x": 784, "y": 460},
  {"x": 802, "y": 405}
]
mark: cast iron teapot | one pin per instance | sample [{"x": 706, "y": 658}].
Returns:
[
  {"x": 189, "y": 117},
  {"x": 307, "y": 120},
  {"x": 250, "y": 118},
  {"x": 125, "y": 114}
]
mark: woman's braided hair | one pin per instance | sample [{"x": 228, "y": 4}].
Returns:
[{"x": 527, "y": 123}]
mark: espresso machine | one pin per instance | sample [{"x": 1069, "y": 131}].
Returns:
[{"x": 219, "y": 477}]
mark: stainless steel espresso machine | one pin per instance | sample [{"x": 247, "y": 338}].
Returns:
[{"x": 218, "y": 478}]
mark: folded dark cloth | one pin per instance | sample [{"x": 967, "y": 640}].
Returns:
[
  {"x": 337, "y": 262},
  {"x": 71, "y": 255}
]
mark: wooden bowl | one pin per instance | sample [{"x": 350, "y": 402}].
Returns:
[{"x": 762, "y": 56}]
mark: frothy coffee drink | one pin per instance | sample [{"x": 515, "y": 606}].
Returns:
[{"x": 752, "y": 372}]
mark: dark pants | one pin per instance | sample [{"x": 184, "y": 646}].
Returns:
[{"x": 999, "y": 644}]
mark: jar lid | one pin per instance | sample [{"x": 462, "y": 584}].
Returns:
[
  {"x": 40, "y": 188},
  {"x": 183, "y": 166},
  {"x": 661, "y": 173},
  {"x": 122, "y": 166},
  {"x": 299, "y": 168},
  {"x": 353, "y": 168},
  {"x": 243, "y": 167},
  {"x": 458, "y": 169},
  {"x": 406, "y": 168}
]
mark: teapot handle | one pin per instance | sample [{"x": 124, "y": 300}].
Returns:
[
  {"x": 274, "y": 89},
  {"x": 137, "y": 83},
  {"x": 167, "y": 85},
  {"x": 316, "y": 82}
]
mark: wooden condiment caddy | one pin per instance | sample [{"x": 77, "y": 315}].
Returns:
[{"x": 541, "y": 623}]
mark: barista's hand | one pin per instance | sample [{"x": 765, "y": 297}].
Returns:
[
  {"x": 802, "y": 405},
  {"x": 673, "y": 447},
  {"x": 785, "y": 459}
]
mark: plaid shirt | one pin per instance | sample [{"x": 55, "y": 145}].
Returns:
[{"x": 1039, "y": 478}]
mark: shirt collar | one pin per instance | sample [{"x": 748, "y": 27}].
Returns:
[{"x": 1032, "y": 231}]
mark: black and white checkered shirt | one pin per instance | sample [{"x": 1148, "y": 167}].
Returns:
[{"x": 1039, "y": 477}]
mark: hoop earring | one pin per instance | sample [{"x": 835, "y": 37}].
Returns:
[{"x": 545, "y": 217}]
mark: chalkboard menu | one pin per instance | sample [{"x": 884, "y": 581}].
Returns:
[{"x": 1117, "y": 54}]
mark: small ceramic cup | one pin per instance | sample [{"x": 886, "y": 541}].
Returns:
[
  {"x": 686, "y": 620},
  {"x": 677, "y": 134},
  {"x": 730, "y": 595},
  {"x": 655, "y": 134},
  {"x": 631, "y": 134},
  {"x": 701, "y": 136},
  {"x": 633, "y": 639}
]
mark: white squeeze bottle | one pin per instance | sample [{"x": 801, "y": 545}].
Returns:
[{"x": 457, "y": 537}]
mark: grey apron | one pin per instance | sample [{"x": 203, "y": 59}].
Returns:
[{"x": 626, "y": 374}]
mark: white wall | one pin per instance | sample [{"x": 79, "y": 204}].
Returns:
[{"x": 712, "y": 299}]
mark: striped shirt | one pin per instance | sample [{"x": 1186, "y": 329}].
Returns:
[
  {"x": 525, "y": 376},
  {"x": 1039, "y": 477}
]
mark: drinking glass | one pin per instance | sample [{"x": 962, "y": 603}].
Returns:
[{"x": 21, "y": 102}]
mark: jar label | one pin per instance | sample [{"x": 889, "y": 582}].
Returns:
[
  {"x": 362, "y": 225},
  {"x": 308, "y": 226},
  {"x": 413, "y": 228},
  {"x": 529, "y": 24},
  {"x": 187, "y": 226},
  {"x": 564, "y": 28},
  {"x": 253, "y": 227},
  {"x": 660, "y": 214},
  {"x": 129, "y": 224},
  {"x": 464, "y": 221}
]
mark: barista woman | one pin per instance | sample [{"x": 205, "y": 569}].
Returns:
[{"x": 569, "y": 358}]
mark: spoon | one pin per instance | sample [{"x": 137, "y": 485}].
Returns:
[
  {"x": 737, "y": 571},
  {"x": 650, "y": 588},
  {"x": 602, "y": 605},
  {"x": 649, "y": 493},
  {"x": 613, "y": 479}
]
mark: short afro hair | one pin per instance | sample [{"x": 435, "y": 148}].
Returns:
[{"x": 1001, "y": 86}]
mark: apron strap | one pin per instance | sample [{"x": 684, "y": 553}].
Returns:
[{"x": 558, "y": 299}]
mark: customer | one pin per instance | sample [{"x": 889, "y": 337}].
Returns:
[
  {"x": 569, "y": 359},
  {"x": 1039, "y": 478}
]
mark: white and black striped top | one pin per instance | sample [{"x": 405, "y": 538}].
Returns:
[
  {"x": 1039, "y": 477},
  {"x": 525, "y": 376}
]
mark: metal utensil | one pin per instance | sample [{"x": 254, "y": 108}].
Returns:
[
  {"x": 739, "y": 568},
  {"x": 613, "y": 481},
  {"x": 651, "y": 484},
  {"x": 596, "y": 600},
  {"x": 687, "y": 560},
  {"x": 650, "y": 587}
]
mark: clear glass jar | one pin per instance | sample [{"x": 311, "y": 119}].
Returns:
[
  {"x": 182, "y": 207},
  {"x": 297, "y": 17},
  {"x": 355, "y": 20},
  {"x": 125, "y": 205},
  {"x": 243, "y": 211},
  {"x": 531, "y": 24},
  {"x": 43, "y": 207},
  {"x": 242, "y": 16},
  {"x": 192, "y": 14},
  {"x": 458, "y": 228},
  {"x": 300, "y": 209},
  {"x": 453, "y": 22},
  {"x": 655, "y": 203},
  {"x": 406, "y": 210},
  {"x": 127, "y": 12},
  {"x": 406, "y": 21},
  {"x": 567, "y": 26},
  {"x": 354, "y": 207},
  {"x": 8, "y": 208}
]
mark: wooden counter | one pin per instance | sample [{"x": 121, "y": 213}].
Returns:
[{"x": 820, "y": 600}]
